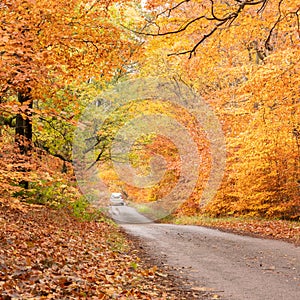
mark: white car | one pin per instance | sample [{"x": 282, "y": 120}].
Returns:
[{"x": 117, "y": 199}]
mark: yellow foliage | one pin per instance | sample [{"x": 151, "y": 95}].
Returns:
[{"x": 249, "y": 72}]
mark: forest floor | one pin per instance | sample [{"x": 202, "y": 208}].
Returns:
[{"x": 50, "y": 254}]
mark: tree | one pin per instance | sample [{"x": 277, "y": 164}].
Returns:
[
  {"x": 47, "y": 44},
  {"x": 44, "y": 47},
  {"x": 243, "y": 58},
  {"x": 203, "y": 19}
]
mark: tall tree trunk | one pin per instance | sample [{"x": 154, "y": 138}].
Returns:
[{"x": 23, "y": 131}]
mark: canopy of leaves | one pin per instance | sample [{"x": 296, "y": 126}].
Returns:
[
  {"x": 243, "y": 58},
  {"x": 45, "y": 46},
  {"x": 47, "y": 43}
]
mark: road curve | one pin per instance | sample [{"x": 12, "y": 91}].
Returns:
[
  {"x": 236, "y": 267},
  {"x": 127, "y": 214}
]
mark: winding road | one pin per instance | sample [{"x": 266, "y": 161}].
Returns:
[{"x": 233, "y": 266}]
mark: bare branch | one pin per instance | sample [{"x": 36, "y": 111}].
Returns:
[
  {"x": 217, "y": 22},
  {"x": 169, "y": 10},
  {"x": 98, "y": 158},
  {"x": 298, "y": 21},
  {"x": 213, "y": 13},
  {"x": 193, "y": 50},
  {"x": 280, "y": 19},
  {"x": 262, "y": 8},
  {"x": 169, "y": 32},
  {"x": 221, "y": 20}
]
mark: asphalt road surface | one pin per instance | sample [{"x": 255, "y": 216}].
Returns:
[
  {"x": 127, "y": 214},
  {"x": 233, "y": 266}
]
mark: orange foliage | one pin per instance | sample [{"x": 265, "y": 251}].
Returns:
[
  {"x": 44, "y": 46},
  {"x": 46, "y": 43},
  {"x": 247, "y": 68}
]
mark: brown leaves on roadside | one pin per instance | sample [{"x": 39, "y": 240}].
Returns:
[
  {"x": 274, "y": 229},
  {"x": 47, "y": 254}
]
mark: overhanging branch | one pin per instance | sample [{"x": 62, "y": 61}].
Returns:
[{"x": 217, "y": 21}]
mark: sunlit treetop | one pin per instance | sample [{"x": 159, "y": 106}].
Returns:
[
  {"x": 49, "y": 42},
  {"x": 201, "y": 20}
]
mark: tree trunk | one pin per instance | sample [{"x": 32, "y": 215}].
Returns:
[
  {"x": 23, "y": 132},
  {"x": 24, "y": 126}
]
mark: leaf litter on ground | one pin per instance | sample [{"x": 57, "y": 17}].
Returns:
[
  {"x": 288, "y": 231},
  {"x": 49, "y": 254}
]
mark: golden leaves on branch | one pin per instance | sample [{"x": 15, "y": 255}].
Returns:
[
  {"x": 49, "y": 43},
  {"x": 249, "y": 72}
]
